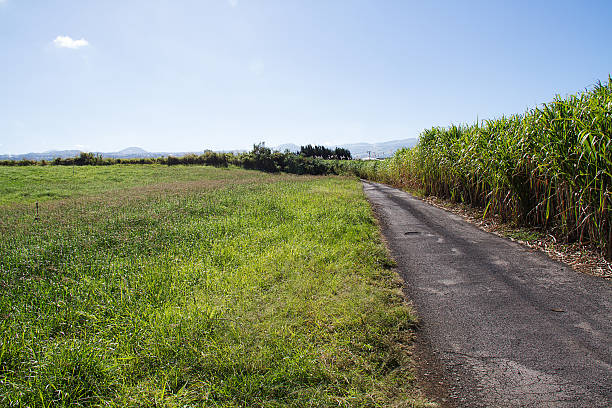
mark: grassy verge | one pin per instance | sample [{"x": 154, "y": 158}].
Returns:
[{"x": 235, "y": 289}]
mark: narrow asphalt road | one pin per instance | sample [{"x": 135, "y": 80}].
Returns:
[{"x": 511, "y": 327}]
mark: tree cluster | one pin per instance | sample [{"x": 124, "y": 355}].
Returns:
[{"x": 322, "y": 152}]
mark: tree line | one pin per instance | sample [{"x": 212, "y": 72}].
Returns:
[
  {"x": 316, "y": 160},
  {"x": 323, "y": 152}
]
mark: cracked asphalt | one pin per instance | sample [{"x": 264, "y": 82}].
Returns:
[{"x": 509, "y": 326}]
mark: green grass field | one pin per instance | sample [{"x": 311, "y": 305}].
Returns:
[
  {"x": 195, "y": 286},
  {"x": 42, "y": 183}
]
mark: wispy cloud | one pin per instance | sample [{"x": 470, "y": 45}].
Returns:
[
  {"x": 233, "y": 3},
  {"x": 63, "y": 41}
]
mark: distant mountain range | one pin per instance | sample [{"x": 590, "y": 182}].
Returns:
[
  {"x": 358, "y": 150},
  {"x": 128, "y": 153}
]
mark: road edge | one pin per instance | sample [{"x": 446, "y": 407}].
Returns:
[{"x": 431, "y": 378}]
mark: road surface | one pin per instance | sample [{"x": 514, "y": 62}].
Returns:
[{"x": 509, "y": 326}]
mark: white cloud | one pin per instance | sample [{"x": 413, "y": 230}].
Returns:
[
  {"x": 232, "y": 3},
  {"x": 63, "y": 41}
]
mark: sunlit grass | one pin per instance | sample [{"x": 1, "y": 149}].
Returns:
[
  {"x": 41, "y": 183},
  {"x": 233, "y": 288}
]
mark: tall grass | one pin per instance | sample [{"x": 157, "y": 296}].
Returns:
[{"x": 550, "y": 167}]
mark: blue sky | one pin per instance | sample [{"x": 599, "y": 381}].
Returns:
[{"x": 174, "y": 75}]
